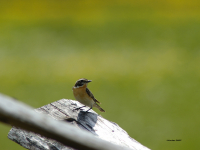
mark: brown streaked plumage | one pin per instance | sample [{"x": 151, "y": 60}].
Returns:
[{"x": 84, "y": 95}]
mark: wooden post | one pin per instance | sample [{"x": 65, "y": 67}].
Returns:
[{"x": 58, "y": 126}]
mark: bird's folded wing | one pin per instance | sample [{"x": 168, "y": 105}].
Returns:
[{"x": 91, "y": 95}]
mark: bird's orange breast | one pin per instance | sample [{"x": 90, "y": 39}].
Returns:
[
  {"x": 80, "y": 91},
  {"x": 81, "y": 96}
]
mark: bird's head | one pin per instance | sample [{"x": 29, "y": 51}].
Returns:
[{"x": 82, "y": 82}]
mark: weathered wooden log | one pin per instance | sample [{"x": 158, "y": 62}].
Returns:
[{"x": 44, "y": 133}]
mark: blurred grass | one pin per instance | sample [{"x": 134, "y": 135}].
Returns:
[{"x": 143, "y": 60}]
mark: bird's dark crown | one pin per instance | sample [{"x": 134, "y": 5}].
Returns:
[{"x": 81, "y": 82}]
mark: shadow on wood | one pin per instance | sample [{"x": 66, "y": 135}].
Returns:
[{"x": 87, "y": 120}]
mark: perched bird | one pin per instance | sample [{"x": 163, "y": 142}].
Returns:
[{"x": 84, "y": 96}]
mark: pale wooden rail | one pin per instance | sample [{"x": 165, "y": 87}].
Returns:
[{"x": 57, "y": 126}]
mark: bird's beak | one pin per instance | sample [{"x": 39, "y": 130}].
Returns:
[{"x": 89, "y": 81}]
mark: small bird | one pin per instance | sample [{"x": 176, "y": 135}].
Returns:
[{"x": 84, "y": 96}]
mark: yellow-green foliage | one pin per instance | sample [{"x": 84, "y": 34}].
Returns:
[{"x": 143, "y": 58}]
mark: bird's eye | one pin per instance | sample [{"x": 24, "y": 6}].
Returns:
[{"x": 82, "y": 82}]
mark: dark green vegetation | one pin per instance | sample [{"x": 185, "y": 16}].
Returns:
[{"x": 145, "y": 71}]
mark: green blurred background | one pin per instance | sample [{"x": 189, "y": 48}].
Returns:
[{"x": 143, "y": 57}]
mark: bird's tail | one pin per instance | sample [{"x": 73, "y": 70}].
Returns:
[{"x": 97, "y": 106}]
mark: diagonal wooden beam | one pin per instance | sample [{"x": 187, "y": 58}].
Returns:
[{"x": 20, "y": 115}]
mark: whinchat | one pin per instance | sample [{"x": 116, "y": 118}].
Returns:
[{"x": 84, "y": 96}]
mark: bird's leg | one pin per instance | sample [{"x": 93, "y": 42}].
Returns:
[
  {"x": 79, "y": 108},
  {"x": 90, "y": 108}
]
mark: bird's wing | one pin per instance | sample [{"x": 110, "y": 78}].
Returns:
[{"x": 91, "y": 95}]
